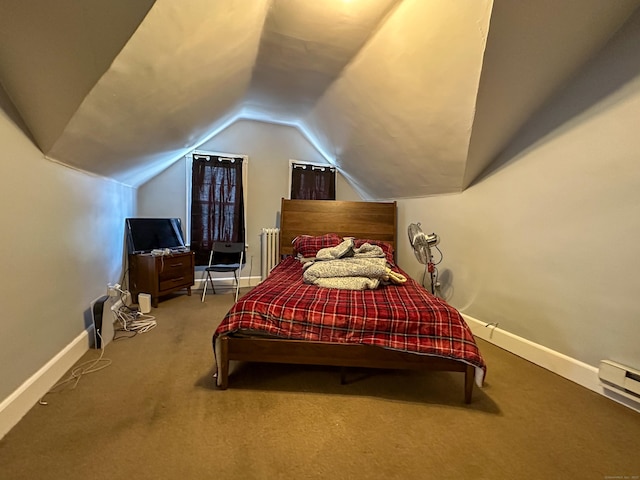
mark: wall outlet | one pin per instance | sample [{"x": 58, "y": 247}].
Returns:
[
  {"x": 116, "y": 291},
  {"x": 113, "y": 290}
]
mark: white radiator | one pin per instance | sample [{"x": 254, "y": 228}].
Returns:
[
  {"x": 620, "y": 378},
  {"x": 270, "y": 254}
]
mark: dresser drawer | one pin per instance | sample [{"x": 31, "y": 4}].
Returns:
[
  {"x": 172, "y": 267},
  {"x": 176, "y": 282}
]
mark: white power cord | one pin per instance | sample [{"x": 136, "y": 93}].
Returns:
[
  {"x": 130, "y": 320},
  {"x": 78, "y": 371},
  {"x": 134, "y": 321}
]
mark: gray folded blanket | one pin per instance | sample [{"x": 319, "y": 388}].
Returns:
[{"x": 350, "y": 268}]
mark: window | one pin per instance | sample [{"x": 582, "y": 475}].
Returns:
[
  {"x": 217, "y": 202},
  {"x": 312, "y": 181}
]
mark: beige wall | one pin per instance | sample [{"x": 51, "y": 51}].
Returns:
[
  {"x": 62, "y": 240},
  {"x": 269, "y": 148},
  {"x": 546, "y": 243},
  {"x": 164, "y": 195}
]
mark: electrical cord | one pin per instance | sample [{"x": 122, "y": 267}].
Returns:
[
  {"x": 123, "y": 336},
  {"x": 123, "y": 296},
  {"x": 441, "y": 255},
  {"x": 133, "y": 321},
  {"x": 130, "y": 318},
  {"x": 78, "y": 371},
  {"x": 433, "y": 273},
  {"x": 125, "y": 278}
]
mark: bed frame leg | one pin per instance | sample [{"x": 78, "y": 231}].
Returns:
[
  {"x": 223, "y": 369},
  {"x": 469, "y": 377}
]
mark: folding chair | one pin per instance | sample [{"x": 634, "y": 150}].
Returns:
[{"x": 225, "y": 257}]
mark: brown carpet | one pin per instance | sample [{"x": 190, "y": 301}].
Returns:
[{"x": 156, "y": 414}]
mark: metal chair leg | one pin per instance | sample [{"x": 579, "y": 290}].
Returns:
[
  {"x": 204, "y": 290},
  {"x": 206, "y": 281},
  {"x": 237, "y": 277},
  {"x": 237, "y": 284}
]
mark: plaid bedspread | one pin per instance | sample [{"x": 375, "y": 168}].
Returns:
[{"x": 400, "y": 317}]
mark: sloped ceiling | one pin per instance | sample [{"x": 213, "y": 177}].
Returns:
[{"x": 408, "y": 98}]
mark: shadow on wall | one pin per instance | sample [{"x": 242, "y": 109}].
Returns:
[
  {"x": 447, "y": 291},
  {"x": 599, "y": 84},
  {"x": 446, "y": 288}
]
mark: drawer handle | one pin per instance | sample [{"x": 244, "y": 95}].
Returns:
[
  {"x": 178, "y": 279},
  {"x": 176, "y": 265}
]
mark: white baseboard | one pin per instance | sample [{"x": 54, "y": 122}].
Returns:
[
  {"x": 558, "y": 363},
  {"x": 228, "y": 282},
  {"x": 16, "y": 405}
]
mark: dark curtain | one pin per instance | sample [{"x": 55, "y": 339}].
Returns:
[
  {"x": 217, "y": 206},
  {"x": 311, "y": 182}
]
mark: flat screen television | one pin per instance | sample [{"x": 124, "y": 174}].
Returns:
[{"x": 147, "y": 234}]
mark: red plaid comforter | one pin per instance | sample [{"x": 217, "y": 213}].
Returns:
[{"x": 399, "y": 317}]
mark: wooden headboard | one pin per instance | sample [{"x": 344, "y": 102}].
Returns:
[{"x": 371, "y": 220}]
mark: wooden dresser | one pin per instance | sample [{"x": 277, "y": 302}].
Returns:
[{"x": 160, "y": 275}]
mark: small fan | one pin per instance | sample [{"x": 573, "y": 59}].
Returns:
[{"x": 422, "y": 245}]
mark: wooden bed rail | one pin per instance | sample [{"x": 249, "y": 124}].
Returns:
[{"x": 267, "y": 350}]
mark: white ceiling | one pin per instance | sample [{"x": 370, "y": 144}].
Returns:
[{"x": 408, "y": 98}]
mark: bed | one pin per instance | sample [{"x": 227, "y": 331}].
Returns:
[{"x": 394, "y": 326}]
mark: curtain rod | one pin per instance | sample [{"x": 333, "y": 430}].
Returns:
[
  {"x": 198, "y": 156},
  {"x": 313, "y": 167}
]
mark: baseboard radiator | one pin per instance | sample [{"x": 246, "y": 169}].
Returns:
[
  {"x": 270, "y": 252},
  {"x": 620, "y": 379}
]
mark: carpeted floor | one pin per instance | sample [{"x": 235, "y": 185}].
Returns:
[{"x": 155, "y": 413}]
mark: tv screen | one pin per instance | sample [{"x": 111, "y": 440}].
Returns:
[{"x": 147, "y": 234}]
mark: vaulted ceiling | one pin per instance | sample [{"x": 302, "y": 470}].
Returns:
[{"x": 408, "y": 98}]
